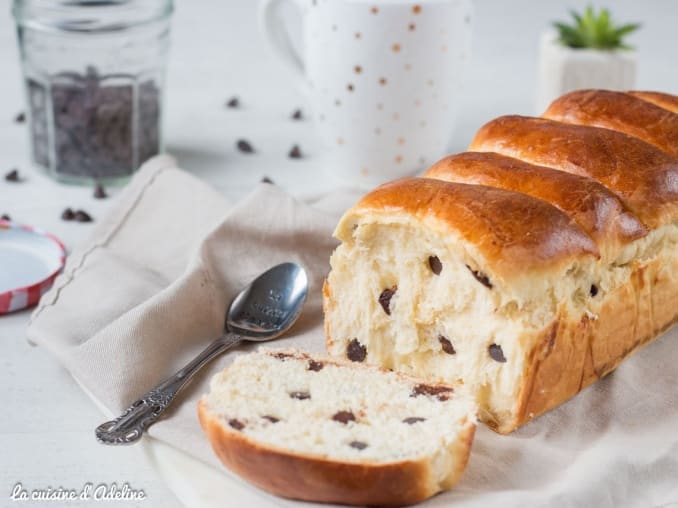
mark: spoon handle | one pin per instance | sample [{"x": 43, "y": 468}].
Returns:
[{"x": 131, "y": 424}]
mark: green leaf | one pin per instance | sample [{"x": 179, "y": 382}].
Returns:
[
  {"x": 594, "y": 30},
  {"x": 627, "y": 29}
]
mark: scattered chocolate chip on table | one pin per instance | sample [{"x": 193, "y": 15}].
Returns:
[
  {"x": 82, "y": 216},
  {"x": 295, "y": 153},
  {"x": 100, "y": 192},
  {"x": 20, "y": 117},
  {"x": 68, "y": 214},
  {"x": 244, "y": 146},
  {"x": 233, "y": 103},
  {"x": 13, "y": 176},
  {"x": 79, "y": 216},
  {"x": 266, "y": 180},
  {"x": 4, "y": 216},
  {"x": 297, "y": 115}
]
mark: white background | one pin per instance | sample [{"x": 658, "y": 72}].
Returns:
[{"x": 46, "y": 424}]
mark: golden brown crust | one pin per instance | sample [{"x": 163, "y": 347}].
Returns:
[
  {"x": 642, "y": 175},
  {"x": 543, "y": 239},
  {"x": 591, "y": 205},
  {"x": 663, "y": 100},
  {"x": 621, "y": 112},
  {"x": 312, "y": 478},
  {"x": 590, "y": 347}
]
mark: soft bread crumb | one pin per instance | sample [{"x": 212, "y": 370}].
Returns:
[{"x": 258, "y": 396}]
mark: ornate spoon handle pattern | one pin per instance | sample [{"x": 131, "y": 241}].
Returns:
[{"x": 132, "y": 423}]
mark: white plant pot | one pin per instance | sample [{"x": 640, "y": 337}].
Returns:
[{"x": 563, "y": 69}]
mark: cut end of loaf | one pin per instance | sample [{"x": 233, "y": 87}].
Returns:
[
  {"x": 423, "y": 299},
  {"x": 324, "y": 430}
]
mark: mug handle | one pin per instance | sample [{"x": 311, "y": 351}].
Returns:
[{"x": 278, "y": 39}]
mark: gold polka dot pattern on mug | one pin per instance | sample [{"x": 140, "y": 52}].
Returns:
[{"x": 368, "y": 81}]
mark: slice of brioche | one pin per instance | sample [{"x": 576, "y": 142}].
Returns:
[{"x": 325, "y": 430}]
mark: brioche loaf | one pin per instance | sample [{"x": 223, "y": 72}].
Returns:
[
  {"x": 664, "y": 100},
  {"x": 621, "y": 112},
  {"x": 324, "y": 430},
  {"x": 521, "y": 274}
]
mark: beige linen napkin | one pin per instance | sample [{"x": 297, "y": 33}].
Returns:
[{"x": 149, "y": 289}]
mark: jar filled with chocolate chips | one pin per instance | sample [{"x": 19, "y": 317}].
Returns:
[{"x": 94, "y": 74}]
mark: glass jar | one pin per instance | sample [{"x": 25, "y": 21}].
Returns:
[{"x": 94, "y": 75}]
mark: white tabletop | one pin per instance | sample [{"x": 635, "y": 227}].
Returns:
[{"x": 46, "y": 430}]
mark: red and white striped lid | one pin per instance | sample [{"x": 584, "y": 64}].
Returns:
[{"x": 30, "y": 260}]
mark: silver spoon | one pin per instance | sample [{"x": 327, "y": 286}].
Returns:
[{"x": 263, "y": 311}]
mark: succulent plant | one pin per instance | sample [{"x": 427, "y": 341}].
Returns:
[{"x": 594, "y": 31}]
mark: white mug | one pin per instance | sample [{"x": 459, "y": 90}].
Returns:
[{"x": 382, "y": 76}]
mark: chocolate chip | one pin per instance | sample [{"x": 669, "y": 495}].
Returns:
[
  {"x": 233, "y": 103},
  {"x": 13, "y": 176},
  {"x": 480, "y": 277},
  {"x": 236, "y": 424},
  {"x": 100, "y": 192},
  {"x": 266, "y": 180},
  {"x": 355, "y": 351},
  {"x": 446, "y": 345},
  {"x": 271, "y": 419},
  {"x": 385, "y": 299},
  {"x": 435, "y": 264},
  {"x": 244, "y": 146},
  {"x": 497, "y": 353},
  {"x": 4, "y": 216},
  {"x": 358, "y": 445},
  {"x": 300, "y": 395},
  {"x": 413, "y": 419},
  {"x": 441, "y": 392},
  {"x": 68, "y": 214},
  {"x": 297, "y": 115},
  {"x": 295, "y": 153},
  {"x": 20, "y": 117},
  {"x": 344, "y": 417},
  {"x": 594, "y": 290},
  {"x": 82, "y": 216},
  {"x": 315, "y": 366}
]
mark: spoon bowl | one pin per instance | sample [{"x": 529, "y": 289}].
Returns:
[
  {"x": 262, "y": 311},
  {"x": 270, "y": 305}
]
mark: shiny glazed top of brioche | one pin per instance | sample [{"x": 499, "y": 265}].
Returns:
[
  {"x": 621, "y": 112},
  {"x": 645, "y": 177},
  {"x": 515, "y": 233},
  {"x": 663, "y": 100},
  {"x": 597, "y": 210}
]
